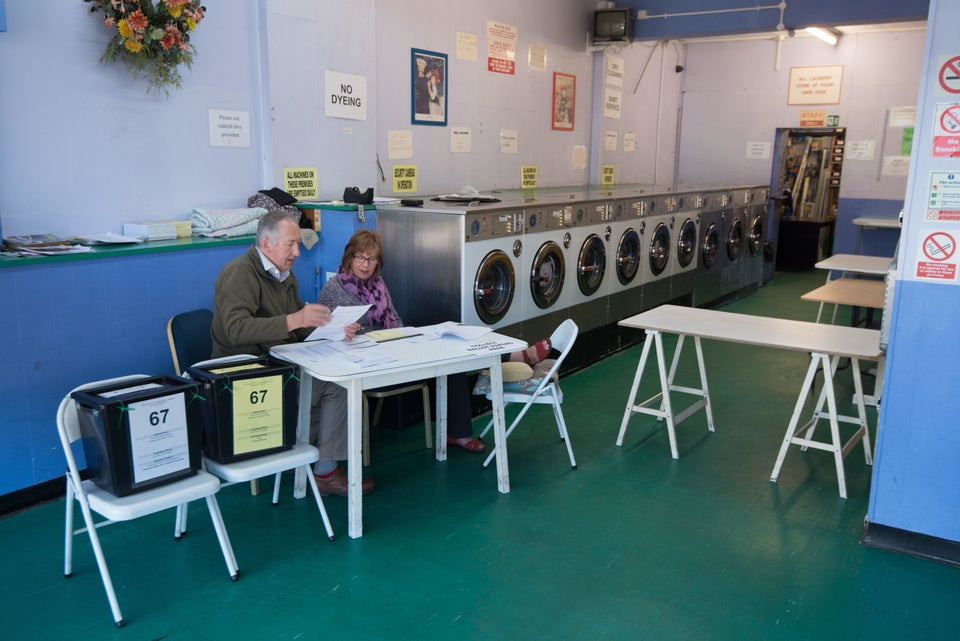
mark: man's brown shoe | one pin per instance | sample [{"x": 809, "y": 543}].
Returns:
[{"x": 336, "y": 483}]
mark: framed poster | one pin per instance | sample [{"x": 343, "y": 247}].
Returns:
[
  {"x": 428, "y": 87},
  {"x": 564, "y": 100}
]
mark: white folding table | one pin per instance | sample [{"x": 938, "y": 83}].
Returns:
[
  {"x": 414, "y": 358},
  {"x": 874, "y": 222},
  {"x": 851, "y": 265},
  {"x": 826, "y": 344}
]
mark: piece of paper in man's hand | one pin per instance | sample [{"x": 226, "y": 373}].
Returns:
[{"x": 339, "y": 318}]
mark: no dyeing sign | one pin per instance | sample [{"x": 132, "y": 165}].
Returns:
[{"x": 346, "y": 95}]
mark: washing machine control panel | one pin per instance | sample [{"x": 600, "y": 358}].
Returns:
[
  {"x": 546, "y": 219},
  {"x": 497, "y": 224}
]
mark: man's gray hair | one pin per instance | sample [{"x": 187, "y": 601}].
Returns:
[{"x": 269, "y": 226}]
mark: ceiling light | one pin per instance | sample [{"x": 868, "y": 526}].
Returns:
[{"x": 827, "y": 35}]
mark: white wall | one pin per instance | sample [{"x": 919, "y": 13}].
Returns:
[
  {"x": 84, "y": 147},
  {"x": 733, "y": 93},
  {"x": 484, "y": 101},
  {"x": 305, "y": 39},
  {"x": 650, "y": 98}
]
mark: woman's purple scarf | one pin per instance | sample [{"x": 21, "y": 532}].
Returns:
[{"x": 372, "y": 291}]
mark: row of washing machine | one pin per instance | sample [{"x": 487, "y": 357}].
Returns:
[{"x": 524, "y": 264}]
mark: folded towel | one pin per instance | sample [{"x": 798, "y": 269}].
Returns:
[
  {"x": 243, "y": 229},
  {"x": 207, "y": 221}
]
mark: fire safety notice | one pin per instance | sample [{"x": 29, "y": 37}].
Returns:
[{"x": 943, "y": 197}]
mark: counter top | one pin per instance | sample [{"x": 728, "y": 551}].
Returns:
[{"x": 113, "y": 251}]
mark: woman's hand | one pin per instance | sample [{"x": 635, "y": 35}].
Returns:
[{"x": 350, "y": 331}]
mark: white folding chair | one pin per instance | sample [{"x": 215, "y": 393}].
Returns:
[
  {"x": 547, "y": 392},
  {"x": 114, "y": 509},
  {"x": 301, "y": 455}
]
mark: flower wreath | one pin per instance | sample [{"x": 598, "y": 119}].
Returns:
[{"x": 151, "y": 38}]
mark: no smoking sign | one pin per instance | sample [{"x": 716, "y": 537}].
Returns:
[{"x": 939, "y": 247}]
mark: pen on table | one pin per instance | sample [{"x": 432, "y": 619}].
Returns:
[{"x": 397, "y": 338}]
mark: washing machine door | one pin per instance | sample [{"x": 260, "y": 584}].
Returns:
[
  {"x": 687, "y": 243},
  {"x": 755, "y": 237},
  {"x": 493, "y": 287},
  {"x": 735, "y": 239},
  {"x": 591, "y": 264},
  {"x": 546, "y": 274},
  {"x": 711, "y": 245},
  {"x": 659, "y": 249},
  {"x": 628, "y": 256}
]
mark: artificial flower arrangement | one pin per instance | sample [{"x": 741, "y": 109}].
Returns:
[{"x": 151, "y": 38}]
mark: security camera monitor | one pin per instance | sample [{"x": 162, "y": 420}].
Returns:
[{"x": 612, "y": 25}]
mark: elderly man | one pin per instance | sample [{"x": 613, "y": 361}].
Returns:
[{"x": 256, "y": 306}]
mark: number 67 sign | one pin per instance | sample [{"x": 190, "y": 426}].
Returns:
[
  {"x": 257, "y": 414},
  {"x": 158, "y": 437}
]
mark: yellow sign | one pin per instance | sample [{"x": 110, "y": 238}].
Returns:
[
  {"x": 608, "y": 173},
  {"x": 528, "y": 176},
  {"x": 813, "y": 117},
  {"x": 257, "y": 414},
  {"x": 236, "y": 368},
  {"x": 301, "y": 182},
  {"x": 404, "y": 179}
]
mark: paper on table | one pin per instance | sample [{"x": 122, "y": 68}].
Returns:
[
  {"x": 339, "y": 318},
  {"x": 396, "y": 333},
  {"x": 451, "y": 329},
  {"x": 108, "y": 238},
  {"x": 351, "y": 354}
]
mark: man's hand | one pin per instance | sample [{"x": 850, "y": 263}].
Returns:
[{"x": 311, "y": 315}]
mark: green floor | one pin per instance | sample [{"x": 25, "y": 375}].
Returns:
[{"x": 633, "y": 545}]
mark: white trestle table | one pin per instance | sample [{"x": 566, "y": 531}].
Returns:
[
  {"x": 826, "y": 344},
  {"x": 413, "y": 358}
]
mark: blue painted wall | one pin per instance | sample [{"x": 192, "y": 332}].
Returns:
[
  {"x": 916, "y": 478},
  {"x": 722, "y": 17},
  {"x": 69, "y": 323},
  {"x": 873, "y": 242}
]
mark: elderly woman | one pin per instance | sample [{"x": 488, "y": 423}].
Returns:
[{"x": 358, "y": 282}]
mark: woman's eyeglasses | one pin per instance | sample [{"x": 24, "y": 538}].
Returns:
[{"x": 365, "y": 260}]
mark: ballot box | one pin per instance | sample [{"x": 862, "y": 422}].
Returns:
[
  {"x": 140, "y": 434},
  {"x": 250, "y": 407}
]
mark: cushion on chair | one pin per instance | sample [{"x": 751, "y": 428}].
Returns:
[
  {"x": 515, "y": 371},
  {"x": 517, "y": 377}
]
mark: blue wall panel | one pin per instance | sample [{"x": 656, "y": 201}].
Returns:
[
  {"x": 723, "y": 17},
  {"x": 873, "y": 242},
  {"x": 916, "y": 480},
  {"x": 74, "y": 322}
]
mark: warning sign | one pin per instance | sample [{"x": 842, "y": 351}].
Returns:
[
  {"x": 608, "y": 174},
  {"x": 943, "y": 197},
  {"x": 501, "y": 47},
  {"x": 939, "y": 271},
  {"x": 946, "y": 131},
  {"x": 404, "y": 179},
  {"x": 939, "y": 248},
  {"x": 949, "y": 77},
  {"x": 301, "y": 182}
]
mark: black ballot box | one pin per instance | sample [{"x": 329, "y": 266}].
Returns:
[
  {"x": 141, "y": 433},
  {"x": 250, "y": 409}
]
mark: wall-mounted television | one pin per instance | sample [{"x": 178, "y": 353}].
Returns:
[{"x": 612, "y": 25}]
